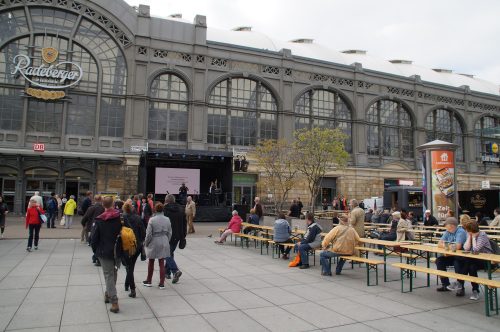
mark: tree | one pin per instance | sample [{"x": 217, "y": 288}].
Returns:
[
  {"x": 318, "y": 151},
  {"x": 276, "y": 159}
]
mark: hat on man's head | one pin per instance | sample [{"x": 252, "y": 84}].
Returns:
[
  {"x": 427, "y": 211},
  {"x": 451, "y": 221}
]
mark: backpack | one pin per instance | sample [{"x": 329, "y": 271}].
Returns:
[
  {"x": 494, "y": 247},
  {"x": 128, "y": 240}
]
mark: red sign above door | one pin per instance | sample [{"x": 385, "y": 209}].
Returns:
[{"x": 38, "y": 147}]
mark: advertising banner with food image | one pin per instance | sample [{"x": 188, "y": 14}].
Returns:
[{"x": 443, "y": 182}]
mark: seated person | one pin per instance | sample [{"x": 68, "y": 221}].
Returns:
[
  {"x": 477, "y": 241},
  {"x": 311, "y": 240},
  {"x": 458, "y": 236},
  {"x": 234, "y": 226},
  {"x": 391, "y": 235},
  {"x": 429, "y": 219},
  {"x": 343, "y": 239},
  {"x": 253, "y": 219},
  {"x": 335, "y": 219},
  {"x": 282, "y": 234},
  {"x": 384, "y": 217},
  {"x": 403, "y": 229}
]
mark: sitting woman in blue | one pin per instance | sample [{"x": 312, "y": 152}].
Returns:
[{"x": 253, "y": 219}]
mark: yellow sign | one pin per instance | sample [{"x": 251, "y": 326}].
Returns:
[
  {"x": 494, "y": 148},
  {"x": 45, "y": 94},
  {"x": 49, "y": 54}
]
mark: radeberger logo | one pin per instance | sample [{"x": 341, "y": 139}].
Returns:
[{"x": 48, "y": 75}]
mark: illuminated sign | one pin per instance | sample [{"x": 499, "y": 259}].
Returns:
[
  {"x": 48, "y": 75},
  {"x": 39, "y": 147}
]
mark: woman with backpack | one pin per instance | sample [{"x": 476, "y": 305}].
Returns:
[
  {"x": 33, "y": 223},
  {"x": 157, "y": 242},
  {"x": 133, "y": 221}
]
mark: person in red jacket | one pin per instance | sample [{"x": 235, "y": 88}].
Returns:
[
  {"x": 33, "y": 222},
  {"x": 234, "y": 226}
]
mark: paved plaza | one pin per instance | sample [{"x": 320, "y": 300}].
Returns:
[{"x": 223, "y": 288}]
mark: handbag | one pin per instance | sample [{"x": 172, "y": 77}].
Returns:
[
  {"x": 42, "y": 217},
  {"x": 63, "y": 221}
]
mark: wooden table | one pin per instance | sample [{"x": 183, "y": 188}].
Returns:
[{"x": 424, "y": 251}]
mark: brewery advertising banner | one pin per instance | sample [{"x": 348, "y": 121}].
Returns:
[{"x": 443, "y": 182}]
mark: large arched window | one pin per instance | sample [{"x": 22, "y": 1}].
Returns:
[
  {"x": 485, "y": 131},
  {"x": 168, "y": 109},
  {"x": 323, "y": 108},
  {"x": 390, "y": 130},
  {"x": 78, "y": 39},
  {"x": 445, "y": 125},
  {"x": 242, "y": 110}
]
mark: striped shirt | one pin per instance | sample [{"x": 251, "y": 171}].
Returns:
[{"x": 481, "y": 243}]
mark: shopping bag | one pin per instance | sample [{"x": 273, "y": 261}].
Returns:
[{"x": 63, "y": 221}]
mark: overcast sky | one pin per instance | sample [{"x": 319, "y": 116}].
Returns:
[{"x": 461, "y": 35}]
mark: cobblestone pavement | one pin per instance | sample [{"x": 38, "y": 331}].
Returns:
[{"x": 223, "y": 288}]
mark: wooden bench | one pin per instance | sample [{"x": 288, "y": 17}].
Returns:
[
  {"x": 256, "y": 239},
  {"x": 371, "y": 264},
  {"x": 490, "y": 286},
  {"x": 275, "y": 246}
]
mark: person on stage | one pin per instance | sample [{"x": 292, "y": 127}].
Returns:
[{"x": 183, "y": 190}]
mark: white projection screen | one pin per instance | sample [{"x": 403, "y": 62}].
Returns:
[{"x": 170, "y": 179}]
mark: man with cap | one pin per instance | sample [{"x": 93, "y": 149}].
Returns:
[
  {"x": 458, "y": 236},
  {"x": 429, "y": 219}
]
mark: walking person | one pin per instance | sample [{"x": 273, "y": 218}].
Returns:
[
  {"x": 33, "y": 222},
  {"x": 190, "y": 211},
  {"x": 69, "y": 211},
  {"x": 157, "y": 243},
  {"x": 175, "y": 213},
  {"x": 133, "y": 221},
  {"x": 51, "y": 211},
  {"x": 106, "y": 230},
  {"x": 89, "y": 219},
  {"x": 3, "y": 214}
]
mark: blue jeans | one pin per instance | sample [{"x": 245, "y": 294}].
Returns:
[
  {"x": 326, "y": 267},
  {"x": 170, "y": 265},
  {"x": 303, "y": 249},
  {"x": 457, "y": 262},
  {"x": 51, "y": 218}
]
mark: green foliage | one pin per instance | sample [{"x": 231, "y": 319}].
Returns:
[{"x": 318, "y": 151}]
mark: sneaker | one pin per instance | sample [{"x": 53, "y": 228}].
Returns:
[
  {"x": 442, "y": 289},
  {"x": 475, "y": 295},
  {"x": 147, "y": 283},
  {"x": 454, "y": 286},
  {"x": 304, "y": 266},
  {"x": 36, "y": 248},
  {"x": 1, "y": 236},
  {"x": 28, "y": 249},
  {"x": 161, "y": 286},
  {"x": 177, "y": 275},
  {"x": 460, "y": 292},
  {"x": 168, "y": 276}
]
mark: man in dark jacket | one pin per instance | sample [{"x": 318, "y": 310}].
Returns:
[
  {"x": 429, "y": 219},
  {"x": 175, "y": 213},
  {"x": 89, "y": 218},
  {"x": 311, "y": 240},
  {"x": 294, "y": 210},
  {"x": 51, "y": 210},
  {"x": 107, "y": 228}
]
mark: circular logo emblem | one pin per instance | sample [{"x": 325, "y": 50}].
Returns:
[{"x": 494, "y": 148}]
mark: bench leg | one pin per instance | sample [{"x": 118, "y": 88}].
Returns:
[{"x": 487, "y": 300}]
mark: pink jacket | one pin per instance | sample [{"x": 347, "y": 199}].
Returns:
[{"x": 235, "y": 224}]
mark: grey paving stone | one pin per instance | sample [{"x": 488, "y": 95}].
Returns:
[
  {"x": 148, "y": 292},
  {"x": 98, "y": 327},
  {"x": 12, "y": 297},
  {"x": 229, "y": 321},
  {"x": 317, "y": 315},
  {"x": 252, "y": 282},
  {"x": 25, "y": 271},
  {"x": 353, "y": 310},
  {"x": 167, "y": 306},
  {"x": 57, "y": 269},
  {"x": 190, "y": 286},
  {"x": 279, "y": 279},
  {"x": 84, "y": 293},
  {"x": 17, "y": 282},
  {"x": 395, "y": 324},
  {"x": 150, "y": 325},
  {"x": 208, "y": 302},
  {"x": 220, "y": 285},
  {"x": 385, "y": 305},
  {"x": 41, "y": 329},
  {"x": 186, "y": 323},
  {"x": 46, "y": 295},
  {"x": 435, "y": 322},
  {"x": 31, "y": 315},
  {"x": 243, "y": 299},
  {"x": 132, "y": 309},
  {"x": 84, "y": 279},
  {"x": 471, "y": 314},
  {"x": 51, "y": 280},
  {"x": 310, "y": 293},
  {"x": 95, "y": 312},
  {"x": 277, "y": 296},
  {"x": 6, "y": 314},
  {"x": 277, "y": 319},
  {"x": 359, "y": 327}
]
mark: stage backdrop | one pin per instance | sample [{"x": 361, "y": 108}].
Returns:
[{"x": 170, "y": 179}]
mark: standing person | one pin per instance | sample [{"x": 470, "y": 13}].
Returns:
[
  {"x": 234, "y": 226},
  {"x": 158, "y": 236},
  {"x": 51, "y": 211},
  {"x": 89, "y": 219},
  {"x": 294, "y": 210},
  {"x": 190, "y": 211},
  {"x": 87, "y": 202},
  {"x": 175, "y": 213},
  {"x": 357, "y": 219},
  {"x": 3, "y": 213},
  {"x": 133, "y": 221},
  {"x": 258, "y": 208},
  {"x": 335, "y": 204},
  {"x": 335, "y": 219},
  {"x": 38, "y": 199},
  {"x": 69, "y": 211},
  {"x": 211, "y": 192},
  {"x": 59, "y": 206},
  {"x": 106, "y": 230},
  {"x": 64, "y": 200},
  {"x": 324, "y": 204},
  {"x": 33, "y": 222},
  {"x": 343, "y": 239},
  {"x": 300, "y": 205},
  {"x": 183, "y": 191},
  {"x": 146, "y": 212},
  {"x": 282, "y": 233},
  {"x": 311, "y": 240},
  {"x": 151, "y": 203}
]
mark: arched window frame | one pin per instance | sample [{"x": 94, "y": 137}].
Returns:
[
  {"x": 174, "y": 104},
  {"x": 484, "y": 138},
  {"x": 308, "y": 114},
  {"x": 455, "y": 134},
  {"x": 241, "y": 116},
  {"x": 381, "y": 127}
]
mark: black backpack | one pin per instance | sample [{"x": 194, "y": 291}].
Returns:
[{"x": 494, "y": 247}]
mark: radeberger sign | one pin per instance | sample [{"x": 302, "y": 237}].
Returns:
[{"x": 49, "y": 75}]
